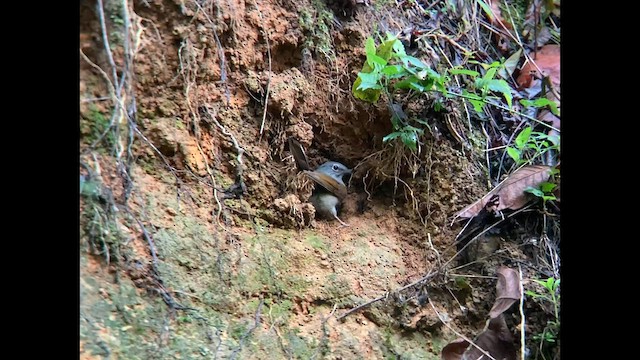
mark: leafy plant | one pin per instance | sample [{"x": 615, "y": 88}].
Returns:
[
  {"x": 552, "y": 296},
  {"x": 485, "y": 84},
  {"x": 542, "y": 102},
  {"x": 388, "y": 68},
  {"x": 544, "y": 191},
  {"x": 532, "y": 143}
]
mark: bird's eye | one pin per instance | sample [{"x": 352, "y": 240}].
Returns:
[{"x": 334, "y": 167}]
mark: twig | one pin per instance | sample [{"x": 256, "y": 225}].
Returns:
[
  {"x": 482, "y": 233},
  {"x": 266, "y": 96},
  {"x": 249, "y": 331},
  {"x": 239, "y": 150},
  {"x": 152, "y": 246},
  {"x": 105, "y": 40},
  {"x": 112, "y": 95},
  {"x": 102, "y": 98},
  {"x": 456, "y": 332},
  {"x": 488, "y": 139},
  {"x": 386, "y": 295},
  {"x": 430, "y": 243},
  {"x": 522, "y": 348},
  {"x": 414, "y": 202}
]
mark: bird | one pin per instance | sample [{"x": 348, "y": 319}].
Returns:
[{"x": 326, "y": 198}]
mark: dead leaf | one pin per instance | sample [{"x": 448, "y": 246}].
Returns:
[
  {"x": 547, "y": 60},
  {"x": 510, "y": 65},
  {"x": 454, "y": 349},
  {"x": 495, "y": 16},
  {"x": 507, "y": 291},
  {"x": 492, "y": 9},
  {"x": 510, "y": 193},
  {"x": 496, "y": 340}
]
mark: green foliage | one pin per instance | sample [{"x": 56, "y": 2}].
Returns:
[
  {"x": 408, "y": 134},
  {"x": 552, "y": 297},
  {"x": 487, "y": 83},
  {"x": 542, "y": 102},
  {"x": 531, "y": 144},
  {"x": 544, "y": 191},
  {"x": 388, "y": 69}
]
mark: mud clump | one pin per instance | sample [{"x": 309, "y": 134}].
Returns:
[{"x": 294, "y": 213}]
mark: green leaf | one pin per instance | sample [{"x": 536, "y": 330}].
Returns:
[
  {"x": 391, "y": 136},
  {"x": 414, "y": 85},
  {"x": 549, "y": 284},
  {"x": 370, "y": 47},
  {"x": 486, "y": 8},
  {"x": 413, "y": 61},
  {"x": 531, "y": 293},
  {"x": 542, "y": 102},
  {"x": 514, "y": 154},
  {"x": 368, "y": 95},
  {"x": 523, "y": 137},
  {"x": 490, "y": 74},
  {"x": 455, "y": 71},
  {"x": 411, "y": 82},
  {"x": 434, "y": 74},
  {"x": 369, "y": 81},
  {"x": 534, "y": 191},
  {"x": 410, "y": 140},
  {"x": 478, "y": 105},
  {"x": 471, "y": 96},
  {"x": 376, "y": 61},
  {"x": 547, "y": 187},
  {"x": 503, "y": 87},
  {"x": 385, "y": 50},
  {"x": 398, "y": 47},
  {"x": 424, "y": 122},
  {"x": 393, "y": 71}
]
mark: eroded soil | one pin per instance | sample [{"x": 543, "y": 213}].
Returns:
[{"x": 187, "y": 265}]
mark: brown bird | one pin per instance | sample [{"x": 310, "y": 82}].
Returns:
[{"x": 326, "y": 198}]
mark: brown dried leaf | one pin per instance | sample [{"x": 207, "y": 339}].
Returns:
[
  {"x": 496, "y": 17},
  {"x": 507, "y": 291},
  {"x": 548, "y": 60},
  {"x": 496, "y": 340},
  {"x": 510, "y": 192},
  {"x": 454, "y": 349}
]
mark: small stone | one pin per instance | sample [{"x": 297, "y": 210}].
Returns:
[
  {"x": 323, "y": 256},
  {"x": 325, "y": 263},
  {"x": 172, "y": 211}
]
